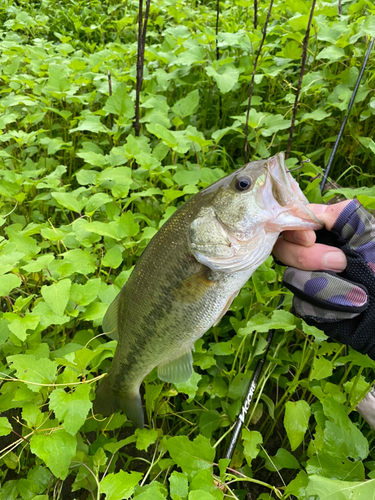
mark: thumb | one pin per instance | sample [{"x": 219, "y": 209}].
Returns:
[{"x": 328, "y": 213}]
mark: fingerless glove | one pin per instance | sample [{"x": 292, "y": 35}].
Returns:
[{"x": 342, "y": 304}]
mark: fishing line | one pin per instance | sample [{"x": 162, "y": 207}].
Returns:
[{"x": 254, "y": 381}]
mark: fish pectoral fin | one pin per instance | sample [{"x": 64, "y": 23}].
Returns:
[
  {"x": 177, "y": 370},
  {"x": 194, "y": 287},
  {"x": 226, "y": 307},
  {"x": 110, "y": 319}
]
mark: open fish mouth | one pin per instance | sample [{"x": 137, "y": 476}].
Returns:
[{"x": 283, "y": 197}]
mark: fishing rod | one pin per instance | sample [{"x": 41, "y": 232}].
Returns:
[
  {"x": 250, "y": 392},
  {"x": 258, "y": 369},
  {"x": 335, "y": 146}
]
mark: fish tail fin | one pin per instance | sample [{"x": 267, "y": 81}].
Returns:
[
  {"x": 131, "y": 404},
  {"x": 108, "y": 401}
]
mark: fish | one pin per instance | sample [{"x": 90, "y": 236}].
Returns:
[{"x": 189, "y": 274}]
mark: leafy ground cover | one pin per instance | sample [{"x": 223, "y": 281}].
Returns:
[{"x": 81, "y": 197}]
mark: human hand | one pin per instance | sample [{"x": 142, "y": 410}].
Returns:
[
  {"x": 342, "y": 305},
  {"x": 299, "y": 248}
]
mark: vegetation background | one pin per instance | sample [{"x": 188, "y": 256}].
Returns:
[{"x": 82, "y": 195}]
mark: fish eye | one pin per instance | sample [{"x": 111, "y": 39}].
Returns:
[{"x": 243, "y": 184}]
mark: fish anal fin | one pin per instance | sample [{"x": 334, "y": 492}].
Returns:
[
  {"x": 177, "y": 370},
  {"x": 226, "y": 307},
  {"x": 110, "y": 319},
  {"x": 194, "y": 287}
]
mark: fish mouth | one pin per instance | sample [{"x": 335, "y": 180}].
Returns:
[{"x": 282, "y": 196}]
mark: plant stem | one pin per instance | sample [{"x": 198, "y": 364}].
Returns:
[
  {"x": 303, "y": 63},
  {"x": 252, "y": 83}
]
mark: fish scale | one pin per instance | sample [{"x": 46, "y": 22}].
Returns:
[{"x": 190, "y": 273}]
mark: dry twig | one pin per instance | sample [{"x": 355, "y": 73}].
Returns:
[
  {"x": 252, "y": 81},
  {"x": 303, "y": 63}
]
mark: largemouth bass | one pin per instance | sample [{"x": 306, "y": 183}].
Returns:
[{"x": 189, "y": 274}]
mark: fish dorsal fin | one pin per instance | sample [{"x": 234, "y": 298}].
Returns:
[
  {"x": 109, "y": 324},
  {"x": 177, "y": 370}
]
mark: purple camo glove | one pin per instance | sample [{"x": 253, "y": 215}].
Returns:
[{"x": 343, "y": 304}]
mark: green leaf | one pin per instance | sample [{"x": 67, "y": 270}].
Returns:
[
  {"x": 191, "y": 456},
  {"x": 178, "y": 485},
  {"x": 120, "y": 103},
  {"x": 332, "y": 53},
  {"x": 92, "y": 158},
  {"x": 38, "y": 264},
  {"x": 85, "y": 294},
  {"x": 5, "y": 427},
  {"x": 296, "y": 421},
  {"x": 162, "y": 133},
  {"x": 209, "y": 422},
  {"x": 33, "y": 416},
  {"x": 322, "y": 368},
  {"x": 190, "y": 387},
  {"x": 127, "y": 225},
  {"x": 104, "y": 229},
  {"x": 201, "y": 495},
  {"x": 341, "y": 436},
  {"x": 251, "y": 440},
  {"x": 153, "y": 491},
  {"x": 71, "y": 408},
  {"x": 317, "y": 115},
  {"x": 333, "y": 489},
  {"x": 274, "y": 123},
  {"x": 335, "y": 468},
  {"x": 91, "y": 123},
  {"x": 184, "y": 177},
  {"x": 20, "y": 324},
  {"x": 97, "y": 201},
  {"x": 47, "y": 317},
  {"x": 282, "y": 460},
  {"x": 187, "y": 105},
  {"x": 114, "y": 447},
  {"x": 226, "y": 77},
  {"x": 8, "y": 282},
  {"x": 145, "y": 438},
  {"x": 282, "y": 320},
  {"x": 121, "y": 485},
  {"x": 34, "y": 370},
  {"x": 69, "y": 201},
  {"x": 113, "y": 258},
  {"x": 57, "y": 296},
  {"x": 58, "y": 82},
  {"x": 56, "y": 449},
  {"x": 291, "y": 50}
]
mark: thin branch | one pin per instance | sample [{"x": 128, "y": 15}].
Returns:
[
  {"x": 148, "y": 2},
  {"x": 303, "y": 63},
  {"x": 217, "y": 48},
  {"x": 252, "y": 82},
  {"x": 255, "y": 14},
  {"x": 142, "y": 29},
  {"x": 110, "y": 94},
  {"x": 340, "y": 8},
  {"x": 217, "y": 27}
]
